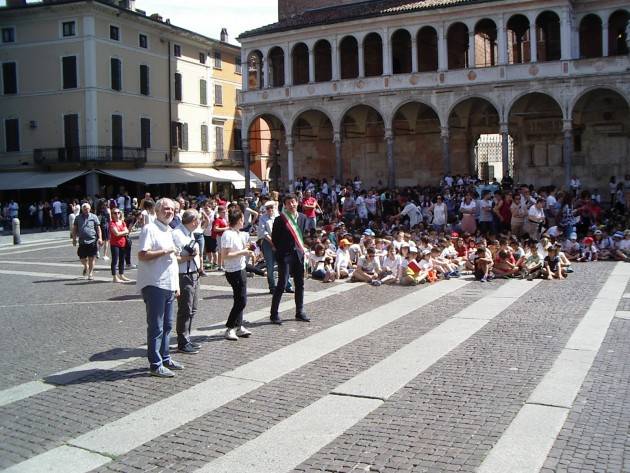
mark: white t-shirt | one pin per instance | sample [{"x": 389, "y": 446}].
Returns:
[
  {"x": 234, "y": 241},
  {"x": 439, "y": 214},
  {"x": 56, "y": 205},
  {"x": 414, "y": 214},
  {"x": 468, "y": 208},
  {"x": 535, "y": 213},
  {"x": 160, "y": 272}
]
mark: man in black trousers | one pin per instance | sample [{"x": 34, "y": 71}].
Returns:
[{"x": 287, "y": 237}]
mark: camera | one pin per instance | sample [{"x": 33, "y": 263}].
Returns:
[{"x": 189, "y": 249}]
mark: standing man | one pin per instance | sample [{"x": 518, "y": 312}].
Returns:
[
  {"x": 287, "y": 238},
  {"x": 189, "y": 265},
  {"x": 87, "y": 229},
  {"x": 265, "y": 227},
  {"x": 309, "y": 207},
  {"x": 158, "y": 282}
]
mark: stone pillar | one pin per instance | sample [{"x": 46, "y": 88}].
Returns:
[
  {"x": 290, "y": 170},
  {"x": 338, "y": 158},
  {"x": 288, "y": 67},
  {"x": 414, "y": 54},
  {"x": 311, "y": 64},
  {"x": 90, "y": 74},
  {"x": 442, "y": 49},
  {"x": 446, "y": 152},
  {"x": 533, "y": 40},
  {"x": 387, "y": 54},
  {"x": 567, "y": 151},
  {"x": 565, "y": 35},
  {"x": 92, "y": 186},
  {"x": 604, "y": 39},
  {"x": 502, "y": 43},
  {"x": 472, "y": 61},
  {"x": 505, "y": 149},
  {"x": 244, "y": 72},
  {"x": 391, "y": 165},
  {"x": 334, "y": 50},
  {"x": 361, "y": 60},
  {"x": 266, "y": 75},
  {"x": 246, "y": 165}
]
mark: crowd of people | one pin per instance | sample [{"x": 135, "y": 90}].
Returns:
[{"x": 334, "y": 231}]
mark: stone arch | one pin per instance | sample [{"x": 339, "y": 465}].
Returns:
[
  {"x": 416, "y": 127},
  {"x": 481, "y": 97},
  {"x": 349, "y": 57},
  {"x": 276, "y": 67},
  {"x": 536, "y": 120},
  {"x": 300, "y": 63},
  {"x": 600, "y": 116},
  {"x": 588, "y": 90},
  {"x": 548, "y": 39},
  {"x": 486, "y": 46},
  {"x": 314, "y": 150},
  {"x": 519, "y": 41},
  {"x": 617, "y": 21},
  {"x": 312, "y": 108},
  {"x": 373, "y": 54},
  {"x": 322, "y": 53},
  {"x": 427, "y": 41},
  {"x": 401, "y": 51},
  {"x": 255, "y": 71},
  {"x": 266, "y": 134},
  {"x": 364, "y": 150},
  {"x": 457, "y": 40},
  {"x": 590, "y": 33},
  {"x": 509, "y": 106}
]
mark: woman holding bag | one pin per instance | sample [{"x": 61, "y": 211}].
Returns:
[{"x": 118, "y": 234}]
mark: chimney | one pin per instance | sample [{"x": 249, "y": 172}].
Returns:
[
  {"x": 224, "y": 35},
  {"x": 16, "y": 3},
  {"x": 127, "y": 4}
]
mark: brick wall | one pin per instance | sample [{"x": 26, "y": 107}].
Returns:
[{"x": 288, "y": 8}]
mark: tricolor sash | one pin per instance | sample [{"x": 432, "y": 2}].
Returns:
[{"x": 291, "y": 223}]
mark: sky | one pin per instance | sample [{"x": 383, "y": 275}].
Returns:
[{"x": 209, "y": 16}]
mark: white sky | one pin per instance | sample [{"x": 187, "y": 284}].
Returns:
[{"x": 209, "y": 16}]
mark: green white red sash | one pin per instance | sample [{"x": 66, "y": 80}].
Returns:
[{"x": 291, "y": 222}]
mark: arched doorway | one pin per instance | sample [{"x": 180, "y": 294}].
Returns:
[
  {"x": 548, "y": 36},
  {"x": 314, "y": 150},
  {"x": 300, "y": 64},
  {"x": 276, "y": 67},
  {"x": 601, "y": 120},
  {"x": 373, "y": 55},
  {"x": 268, "y": 150},
  {"x": 457, "y": 43},
  {"x": 349, "y": 58},
  {"x": 591, "y": 36},
  {"x": 535, "y": 121},
  {"x": 468, "y": 121},
  {"x": 427, "y": 41},
  {"x": 364, "y": 149},
  {"x": 401, "y": 52},
  {"x": 519, "y": 46},
  {"x": 417, "y": 145},
  {"x": 323, "y": 61},
  {"x": 255, "y": 74}
]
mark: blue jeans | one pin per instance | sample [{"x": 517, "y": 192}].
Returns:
[
  {"x": 159, "y": 304},
  {"x": 270, "y": 264}
]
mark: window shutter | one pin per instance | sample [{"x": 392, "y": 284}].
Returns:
[
  {"x": 185, "y": 136},
  {"x": 144, "y": 80},
  {"x": 218, "y": 95},
  {"x": 145, "y": 133},
  {"x": 178, "y": 86},
  {"x": 69, "y": 66},
  {"x": 12, "y": 134},
  {"x": 174, "y": 142},
  {"x": 204, "y": 138},
  {"x": 203, "y": 92},
  {"x": 9, "y": 78},
  {"x": 116, "y": 74}
]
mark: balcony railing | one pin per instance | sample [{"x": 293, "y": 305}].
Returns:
[
  {"x": 232, "y": 156},
  {"x": 89, "y": 154}
]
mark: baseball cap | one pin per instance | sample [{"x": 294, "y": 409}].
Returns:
[
  {"x": 413, "y": 248},
  {"x": 618, "y": 235},
  {"x": 573, "y": 236},
  {"x": 368, "y": 232},
  {"x": 598, "y": 232},
  {"x": 344, "y": 242}
]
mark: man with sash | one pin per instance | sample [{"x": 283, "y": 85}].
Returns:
[{"x": 287, "y": 237}]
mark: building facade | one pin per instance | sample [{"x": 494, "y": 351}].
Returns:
[
  {"x": 97, "y": 87},
  {"x": 401, "y": 92}
]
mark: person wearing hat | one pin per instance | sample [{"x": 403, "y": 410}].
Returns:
[
  {"x": 368, "y": 269},
  {"x": 571, "y": 247},
  {"x": 615, "y": 250},
  {"x": 343, "y": 266},
  {"x": 416, "y": 271},
  {"x": 624, "y": 245},
  {"x": 588, "y": 250},
  {"x": 604, "y": 243}
]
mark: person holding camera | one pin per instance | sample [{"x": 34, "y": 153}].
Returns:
[
  {"x": 189, "y": 264},
  {"x": 235, "y": 251}
]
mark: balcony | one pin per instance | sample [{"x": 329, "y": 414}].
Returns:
[
  {"x": 89, "y": 156},
  {"x": 227, "y": 158}
]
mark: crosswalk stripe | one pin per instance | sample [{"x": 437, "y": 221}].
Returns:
[
  {"x": 376, "y": 384},
  {"x": 137, "y": 428},
  {"x": 9, "y": 253},
  {"x": 525, "y": 444},
  {"x": 32, "y": 243},
  {"x": 57, "y": 461},
  {"x": 25, "y": 390}
]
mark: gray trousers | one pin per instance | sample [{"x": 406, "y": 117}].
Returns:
[{"x": 186, "y": 306}]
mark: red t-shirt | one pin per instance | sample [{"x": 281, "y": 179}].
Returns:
[
  {"x": 309, "y": 213},
  {"x": 218, "y": 222},
  {"x": 117, "y": 241}
]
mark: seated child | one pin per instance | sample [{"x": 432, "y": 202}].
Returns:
[
  {"x": 588, "y": 250},
  {"x": 504, "y": 265},
  {"x": 552, "y": 268},
  {"x": 533, "y": 262},
  {"x": 414, "y": 272},
  {"x": 368, "y": 269},
  {"x": 483, "y": 265},
  {"x": 571, "y": 247}
]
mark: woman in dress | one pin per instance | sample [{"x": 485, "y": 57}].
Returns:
[
  {"x": 468, "y": 208},
  {"x": 440, "y": 214}
]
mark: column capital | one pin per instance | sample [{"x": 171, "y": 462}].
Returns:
[
  {"x": 245, "y": 143},
  {"x": 504, "y": 128},
  {"x": 289, "y": 142},
  {"x": 567, "y": 125},
  {"x": 337, "y": 138},
  {"x": 445, "y": 131},
  {"x": 389, "y": 134}
]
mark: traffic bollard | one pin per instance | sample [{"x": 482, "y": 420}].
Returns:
[{"x": 16, "y": 231}]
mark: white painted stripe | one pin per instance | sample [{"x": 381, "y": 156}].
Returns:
[
  {"x": 524, "y": 446},
  {"x": 58, "y": 460},
  {"x": 9, "y": 253},
  {"x": 33, "y": 244},
  {"x": 289, "y": 443},
  {"x": 5, "y": 246},
  {"x": 53, "y": 304},
  {"x": 76, "y": 265},
  {"x": 302, "y": 434},
  {"x": 623, "y": 314},
  {"x": 139, "y": 427},
  {"x": 17, "y": 393},
  {"x": 22, "y": 391},
  {"x": 391, "y": 374},
  {"x": 626, "y": 295}
]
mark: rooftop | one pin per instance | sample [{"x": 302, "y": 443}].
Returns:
[{"x": 355, "y": 11}]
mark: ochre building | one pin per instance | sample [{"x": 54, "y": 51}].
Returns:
[{"x": 401, "y": 92}]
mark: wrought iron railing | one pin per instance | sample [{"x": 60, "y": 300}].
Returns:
[
  {"x": 227, "y": 155},
  {"x": 86, "y": 154}
]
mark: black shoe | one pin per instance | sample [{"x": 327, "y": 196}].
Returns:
[
  {"x": 275, "y": 320},
  {"x": 188, "y": 349},
  {"x": 302, "y": 317},
  {"x": 289, "y": 291},
  {"x": 272, "y": 290},
  {"x": 196, "y": 346}
]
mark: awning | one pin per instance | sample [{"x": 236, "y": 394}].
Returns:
[
  {"x": 237, "y": 177},
  {"x": 159, "y": 175},
  {"x": 214, "y": 175},
  {"x": 35, "y": 180}
]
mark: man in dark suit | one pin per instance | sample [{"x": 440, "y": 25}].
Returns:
[{"x": 287, "y": 237}]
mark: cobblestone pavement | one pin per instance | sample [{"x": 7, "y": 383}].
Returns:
[{"x": 447, "y": 417}]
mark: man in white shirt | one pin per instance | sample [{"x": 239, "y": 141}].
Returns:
[
  {"x": 189, "y": 266},
  {"x": 158, "y": 282}
]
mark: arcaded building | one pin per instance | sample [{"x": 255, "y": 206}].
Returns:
[{"x": 401, "y": 92}]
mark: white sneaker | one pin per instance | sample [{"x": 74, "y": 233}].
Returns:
[
  {"x": 106, "y": 258},
  {"x": 230, "y": 334},
  {"x": 243, "y": 332}
]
